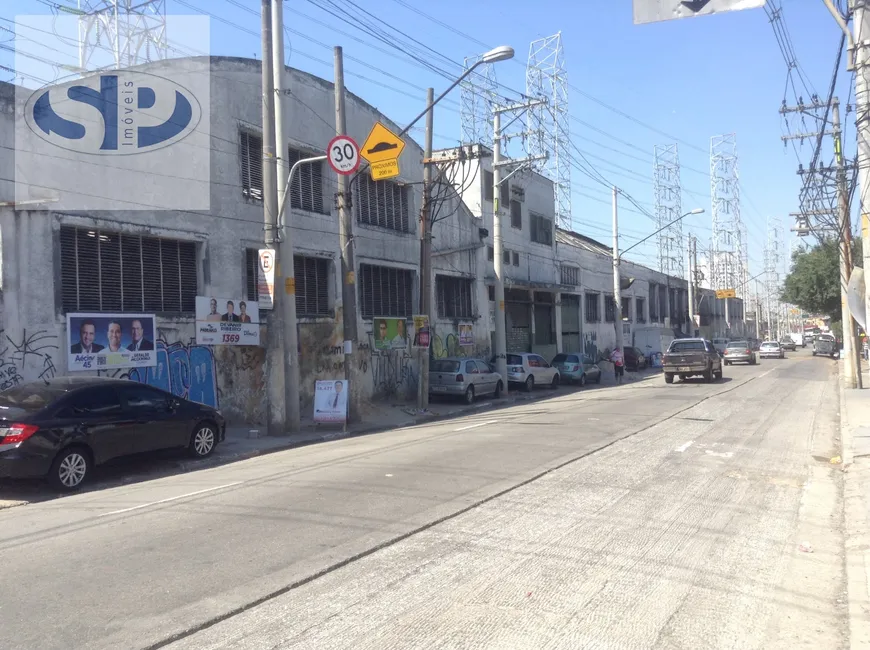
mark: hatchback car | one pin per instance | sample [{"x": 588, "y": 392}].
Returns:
[
  {"x": 529, "y": 370},
  {"x": 62, "y": 428},
  {"x": 577, "y": 368},
  {"x": 466, "y": 378},
  {"x": 739, "y": 352},
  {"x": 771, "y": 350},
  {"x": 788, "y": 344},
  {"x": 634, "y": 359}
]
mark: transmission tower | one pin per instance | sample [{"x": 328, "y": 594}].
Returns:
[
  {"x": 547, "y": 78},
  {"x": 669, "y": 209},
  {"x": 772, "y": 261},
  {"x": 725, "y": 197},
  {"x": 477, "y": 95},
  {"x": 132, "y": 32}
]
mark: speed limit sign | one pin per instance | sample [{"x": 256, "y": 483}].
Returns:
[{"x": 343, "y": 154}]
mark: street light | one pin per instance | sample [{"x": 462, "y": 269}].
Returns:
[
  {"x": 665, "y": 227},
  {"x": 500, "y": 53}
]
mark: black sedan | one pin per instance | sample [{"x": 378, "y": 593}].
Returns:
[
  {"x": 62, "y": 428},
  {"x": 634, "y": 359}
]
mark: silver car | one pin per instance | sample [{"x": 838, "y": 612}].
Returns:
[
  {"x": 529, "y": 370},
  {"x": 466, "y": 378},
  {"x": 739, "y": 352},
  {"x": 771, "y": 350}
]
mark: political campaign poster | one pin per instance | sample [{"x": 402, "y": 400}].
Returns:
[
  {"x": 466, "y": 335},
  {"x": 108, "y": 341},
  {"x": 227, "y": 321},
  {"x": 422, "y": 333},
  {"x": 389, "y": 333},
  {"x": 330, "y": 401}
]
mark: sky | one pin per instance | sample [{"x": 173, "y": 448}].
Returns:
[{"x": 632, "y": 87}]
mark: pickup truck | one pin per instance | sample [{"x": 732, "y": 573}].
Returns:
[
  {"x": 690, "y": 357},
  {"x": 826, "y": 345}
]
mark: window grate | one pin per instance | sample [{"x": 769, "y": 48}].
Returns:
[
  {"x": 385, "y": 291},
  {"x": 541, "y": 230},
  {"x": 592, "y": 307},
  {"x": 609, "y": 309},
  {"x": 453, "y": 296},
  {"x": 570, "y": 275},
  {"x": 381, "y": 203},
  {"x": 312, "y": 285},
  {"x": 252, "y": 165},
  {"x": 516, "y": 215},
  {"x": 306, "y": 193},
  {"x": 487, "y": 180},
  {"x": 626, "y": 309},
  {"x": 639, "y": 305},
  {"x": 115, "y": 272},
  {"x": 252, "y": 271}
]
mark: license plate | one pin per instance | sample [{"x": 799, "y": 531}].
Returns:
[
  {"x": 439, "y": 389},
  {"x": 684, "y": 369}
]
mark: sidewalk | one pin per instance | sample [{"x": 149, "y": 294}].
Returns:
[{"x": 855, "y": 432}]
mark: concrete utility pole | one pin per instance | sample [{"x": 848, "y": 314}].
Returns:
[
  {"x": 426, "y": 252},
  {"x": 498, "y": 250},
  {"x": 274, "y": 357},
  {"x": 285, "y": 246},
  {"x": 691, "y": 277},
  {"x": 861, "y": 27},
  {"x": 345, "y": 238},
  {"x": 617, "y": 289}
]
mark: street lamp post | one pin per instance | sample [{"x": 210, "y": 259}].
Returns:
[{"x": 617, "y": 259}]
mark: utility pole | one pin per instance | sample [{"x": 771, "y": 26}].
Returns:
[
  {"x": 861, "y": 27},
  {"x": 274, "y": 357},
  {"x": 691, "y": 277},
  {"x": 426, "y": 253},
  {"x": 345, "y": 238},
  {"x": 617, "y": 289},
  {"x": 290, "y": 354}
]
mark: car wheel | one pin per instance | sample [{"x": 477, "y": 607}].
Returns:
[
  {"x": 708, "y": 375},
  {"x": 70, "y": 469},
  {"x": 530, "y": 384},
  {"x": 555, "y": 382},
  {"x": 203, "y": 440},
  {"x": 499, "y": 387},
  {"x": 669, "y": 378},
  {"x": 718, "y": 374},
  {"x": 727, "y": 363},
  {"x": 582, "y": 380}
]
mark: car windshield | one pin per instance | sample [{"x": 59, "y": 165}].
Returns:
[
  {"x": 514, "y": 360},
  {"x": 30, "y": 397},
  {"x": 737, "y": 345},
  {"x": 687, "y": 346},
  {"x": 566, "y": 358},
  {"x": 770, "y": 344},
  {"x": 444, "y": 365}
]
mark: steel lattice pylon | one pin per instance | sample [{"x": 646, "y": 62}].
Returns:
[
  {"x": 726, "y": 254},
  {"x": 132, "y": 31},
  {"x": 548, "y": 133},
  {"x": 669, "y": 209},
  {"x": 772, "y": 260},
  {"x": 477, "y": 95}
]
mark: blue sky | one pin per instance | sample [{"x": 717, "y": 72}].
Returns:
[{"x": 690, "y": 79}]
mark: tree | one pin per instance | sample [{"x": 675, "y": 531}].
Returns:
[{"x": 814, "y": 282}]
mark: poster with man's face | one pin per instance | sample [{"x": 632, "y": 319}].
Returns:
[
  {"x": 105, "y": 341},
  {"x": 390, "y": 333},
  {"x": 227, "y": 321}
]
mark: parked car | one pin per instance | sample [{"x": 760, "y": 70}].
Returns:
[
  {"x": 771, "y": 350},
  {"x": 739, "y": 352},
  {"x": 788, "y": 344},
  {"x": 529, "y": 370},
  {"x": 689, "y": 357},
  {"x": 577, "y": 368},
  {"x": 466, "y": 378},
  {"x": 62, "y": 428},
  {"x": 825, "y": 344},
  {"x": 634, "y": 359}
]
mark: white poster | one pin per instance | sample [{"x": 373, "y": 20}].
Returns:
[
  {"x": 330, "y": 401},
  {"x": 266, "y": 278},
  {"x": 106, "y": 341},
  {"x": 227, "y": 321}
]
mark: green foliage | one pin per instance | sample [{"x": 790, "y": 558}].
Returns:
[{"x": 814, "y": 282}]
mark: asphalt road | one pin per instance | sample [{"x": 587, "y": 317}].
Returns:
[{"x": 641, "y": 516}]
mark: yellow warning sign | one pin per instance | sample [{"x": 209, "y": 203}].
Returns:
[
  {"x": 382, "y": 144},
  {"x": 385, "y": 169},
  {"x": 726, "y": 293}
]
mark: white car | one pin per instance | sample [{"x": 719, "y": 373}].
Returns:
[
  {"x": 529, "y": 370},
  {"x": 771, "y": 350}
]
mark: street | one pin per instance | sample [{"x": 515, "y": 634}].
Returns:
[{"x": 638, "y": 516}]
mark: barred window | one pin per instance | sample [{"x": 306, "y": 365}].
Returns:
[
  {"x": 453, "y": 296},
  {"x": 609, "y": 309},
  {"x": 591, "y": 303},
  {"x": 252, "y": 165},
  {"x": 504, "y": 195},
  {"x": 487, "y": 180},
  {"x": 306, "y": 193},
  {"x": 312, "y": 282},
  {"x": 381, "y": 203},
  {"x": 541, "y": 230},
  {"x": 385, "y": 291},
  {"x": 626, "y": 308},
  {"x": 516, "y": 215},
  {"x": 639, "y": 304},
  {"x": 570, "y": 275},
  {"x": 490, "y": 254},
  {"x": 114, "y": 272},
  {"x": 516, "y": 258}
]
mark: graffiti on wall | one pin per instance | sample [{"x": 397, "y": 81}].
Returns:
[
  {"x": 392, "y": 371},
  {"x": 449, "y": 347},
  {"x": 187, "y": 371},
  {"x": 590, "y": 345},
  {"x": 27, "y": 357}
]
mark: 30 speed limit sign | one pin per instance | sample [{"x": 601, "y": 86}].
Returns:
[{"x": 343, "y": 154}]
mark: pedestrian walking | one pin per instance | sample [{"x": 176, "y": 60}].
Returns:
[{"x": 618, "y": 364}]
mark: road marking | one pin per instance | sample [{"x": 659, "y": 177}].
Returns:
[
  {"x": 766, "y": 373},
  {"x": 684, "y": 446},
  {"x": 723, "y": 454},
  {"x": 474, "y": 426},
  {"x": 182, "y": 496}
]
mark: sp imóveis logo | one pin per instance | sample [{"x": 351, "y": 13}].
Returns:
[{"x": 119, "y": 113}]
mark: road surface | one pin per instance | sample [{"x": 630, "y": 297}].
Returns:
[{"x": 639, "y": 516}]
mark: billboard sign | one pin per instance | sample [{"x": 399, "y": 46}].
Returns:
[
  {"x": 108, "y": 341},
  {"x": 227, "y": 321}
]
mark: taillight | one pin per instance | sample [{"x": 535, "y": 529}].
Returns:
[
  {"x": 16, "y": 433},
  {"x": 460, "y": 378},
  {"x": 574, "y": 367},
  {"x": 517, "y": 369},
  {"x": 749, "y": 352}
]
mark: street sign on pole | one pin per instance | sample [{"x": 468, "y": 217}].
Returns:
[
  {"x": 266, "y": 278},
  {"x": 653, "y": 11},
  {"x": 382, "y": 150},
  {"x": 343, "y": 155},
  {"x": 725, "y": 293}
]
